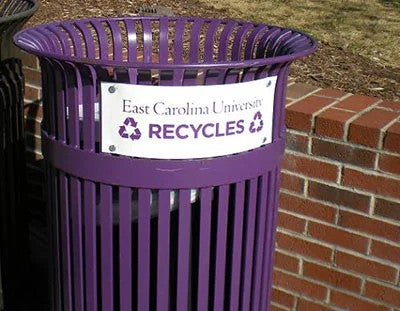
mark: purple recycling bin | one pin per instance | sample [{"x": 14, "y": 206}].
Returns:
[
  {"x": 13, "y": 208},
  {"x": 163, "y": 138}
]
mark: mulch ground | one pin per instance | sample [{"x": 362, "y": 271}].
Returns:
[{"x": 330, "y": 67}]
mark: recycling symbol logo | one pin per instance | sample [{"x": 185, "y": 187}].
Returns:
[
  {"x": 129, "y": 129},
  {"x": 257, "y": 124}
]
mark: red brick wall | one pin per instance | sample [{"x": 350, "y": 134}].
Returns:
[{"x": 339, "y": 218}]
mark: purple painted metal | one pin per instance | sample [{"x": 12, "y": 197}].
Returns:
[{"x": 131, "y": 235}]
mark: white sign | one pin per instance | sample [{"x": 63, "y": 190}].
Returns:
[{"x": 186, "y": 122}]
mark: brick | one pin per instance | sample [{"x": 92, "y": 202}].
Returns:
[
  {"x": 356, "y": 103},
  {"x": 299, "y": 116},
  {"x": 282, "y": 298},
  {"x": 389, "y": 163},
  {"x": 297, "y": 142},
  {"x": 32, "y": 126},
  {"x": 369, "y": 225},
  {"x": 307, "y": 207},
  {"x": 332, "y": 93},
  {"x": 391, "y": 105},
  {"x": 383, "y": 293},
  {"x": 343, "y": 153},
  {"x": 307, "y": 305},
  {"x": 339, "y": 196},
  {"x": 32, "y": 76},
  {"x": 32, "y": 157},
  {"x": 366, "y": 266},
  {"x": 332, "y": 277},
  {"x": 332, "y": 123},
  {"x": 391, "y": 141},
  {"x": 299, "y": 285},
  {"x": 387, "y": 209},
  {"x": 291, "y": 223},
  {"x": 277, "y": 308},
  {"x": 303, "y": 247},
  {"x": 375, "y": 183},
  {"x": 292, "y": 182},
  {"x": 350, "y": 302},
  {"x": 33, "y": 142},
  {"x": 366, "y": 129},
  {"x": 29, "y": 60},
  {"x": 386, "y": 251},
  {"x": 32, "y": 93},
  {"x": 288, "y": 101},
  {"x": 286, "y": 262},
  {"x": 298, "y": 90},
  {"x": 310, "y": 167},
  {"x": 338, "y": 237}
]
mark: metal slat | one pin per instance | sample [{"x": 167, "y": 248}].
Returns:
[
  {"x": 144, "y": 249},
  {"x": 163, "y": 255},
  {"x": 106, "y": 237},
  {"x": 125, "y": 248}
]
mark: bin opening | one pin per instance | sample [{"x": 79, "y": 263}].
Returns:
[
  {"x": 165, "y": 42},
  {"x": 154, "y": 204}
]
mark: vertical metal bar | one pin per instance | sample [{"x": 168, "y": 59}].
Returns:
[
  {"x": 125, "y": 248},
  {"x": 249, "y": 244},
  {"x": 279, "y": 103},
  {"x": 65, "y": 240},
  {"x": 116, "y": 39},
  {"x": 223, "y": 46},
  {"x": 260, "y": 236},
  {"x": 77, "y": 260},
  {"x": 163, "y": 255},
  {"x": 237, "y": 245},
  {"x": 210, "y": 37},
  {"x": 252, "y": 40},
  {"x": 144, "y": 249},
  {"x": 132, "y": 39},
  {"x": 89, "y": 202},
  {"x": 237, "y": 42},
  {"x": 272, "y": 211},
  {"x": 178, "y": 41},
  {"x": 183, "y": 250},
  {"x": 204, "y": 251},
  {"x": 147, "y": 41},
  {"x": 87, "y": 37},
  {"x": 163, "y": 50},
  {"x": 195, "y": 41},
  {"x": 222, "y": 226},
  {"x": 76, "y": 40},
  {"x": 55, "y": 267},
  {"x": 102, "y": 37},
  {"x": 107, "y": 278}
]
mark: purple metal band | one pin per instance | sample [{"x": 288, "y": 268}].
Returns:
[{"x": 159, "y": 174}]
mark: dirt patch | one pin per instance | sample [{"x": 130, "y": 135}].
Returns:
[{"x": 331, "y": 67}]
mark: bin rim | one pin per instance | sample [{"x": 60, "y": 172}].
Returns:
[
  {"x": 22, "y": 14},
  {"x": 28, "y": 45}
]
